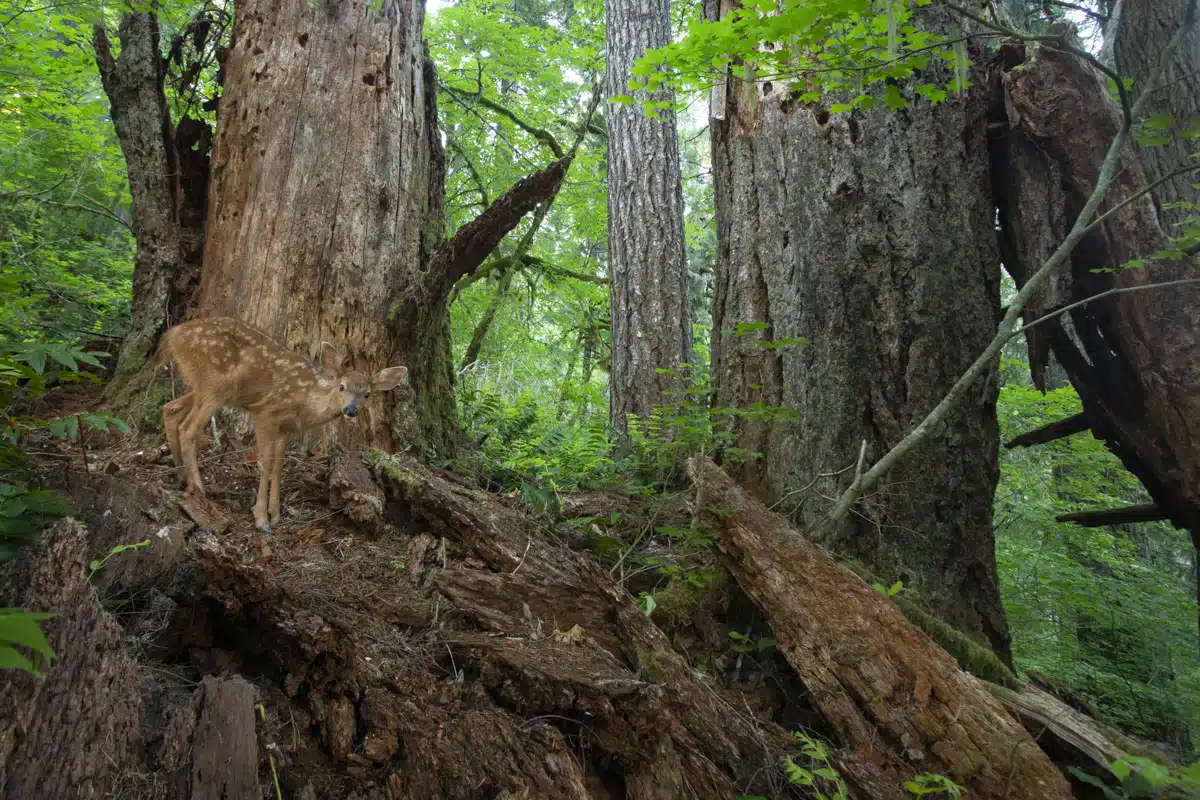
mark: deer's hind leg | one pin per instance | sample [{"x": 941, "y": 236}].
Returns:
[
  {"x": 201, "y": 411},
  {"x": 174, "y": 413}
]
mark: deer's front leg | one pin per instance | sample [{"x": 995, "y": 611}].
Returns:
[
  {"x": 266, "y": 450},
  {"x": 276, "y": 475}
]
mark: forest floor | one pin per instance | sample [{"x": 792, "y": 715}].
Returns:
[
  {"x": 403, "y": 634},
  {"x": 406, "y": 633}
]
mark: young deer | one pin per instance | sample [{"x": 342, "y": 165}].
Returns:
[{"x": 228, "y": 364}]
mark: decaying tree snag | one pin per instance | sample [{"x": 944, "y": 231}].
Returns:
[
  {"x": 167, "y": 194},
  {"x": 474, "y": 241},
  {"x": 887, "y": 692},
  {"x": 1132, "y": 357},
  {"x": 66, "y": 733}
]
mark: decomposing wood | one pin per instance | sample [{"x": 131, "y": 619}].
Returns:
[
  {"x": 1145, "y": 512},
  {"x": 474, "y": 241},
  {"x": 168, "y": 192},
  {"x": 1130, "y": 356},
  {"x": 586, "y": 652},
  {"x": 1081, "y": 739},
  {"x": 1049, "y": 433},
  {"x": 65, "y": 733},
  {"x": 887, "y": 692},
  {"x": 225, "y": 749}
]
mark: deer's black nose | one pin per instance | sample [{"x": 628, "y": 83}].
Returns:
[{"x": 350, "y": 411}]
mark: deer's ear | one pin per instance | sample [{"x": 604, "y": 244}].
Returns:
[
  {"x": 331, "y": 359},
  {"x": 389, "y": 378}
]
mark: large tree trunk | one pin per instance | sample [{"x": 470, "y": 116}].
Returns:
[
  {"x": 871, "y": 235},
  {"x": 651, "y": 326},
  {"x": 1133, "y": 356},
  {"x": 1142, "y": 28},
  {"x": 168, "y": 193},
  {"x": 327, "y": 196}
]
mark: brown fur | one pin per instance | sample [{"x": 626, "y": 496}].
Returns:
[{"x": 228, "y": 364}]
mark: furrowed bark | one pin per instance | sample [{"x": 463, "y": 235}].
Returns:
[
  {"x": 1136, "y": 44},
  {"x": 651, "y": 323},
  {"x": 871, "y": 235},
  {"x": 167, "y": 214},
  {"x": 326, "y": 201}
]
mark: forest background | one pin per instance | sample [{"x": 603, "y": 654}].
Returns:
[{"x": 1108, "y": 614}]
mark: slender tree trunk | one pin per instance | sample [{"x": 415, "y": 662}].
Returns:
[
  {"x": 168, "y": 193},
  {"x": 871, "y": 235},
  {"x": 1142, "y": 28},
  {"x": 651, "y": 327},
  {"x": 485, "y": 322}
]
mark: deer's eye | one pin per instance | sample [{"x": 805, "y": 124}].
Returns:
[
  {"x": 342, "y": 388},
  {"x": 368, "y": 394}
]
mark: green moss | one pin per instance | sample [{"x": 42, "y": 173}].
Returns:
[
  {"x": 973, "y": 657},
  {"x": 394, "y": 468},
  {"x": 677, "y": 603},
  {"x": 142, "y": 409},
  {"x": 649, "y": 661}
]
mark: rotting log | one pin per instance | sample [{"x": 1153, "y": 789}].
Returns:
[
  {"x": 1131, "y": 356},
  {"x": 1049, "y": 433},
  {"x": 64, "y": 733},
  {"x": 1146, "y": 512},
  {"x": 1070, "y": 736},
  {"x": 888, "y": 692}
]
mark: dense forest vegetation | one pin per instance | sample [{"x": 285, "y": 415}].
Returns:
[{"x": 616, "y": 244}]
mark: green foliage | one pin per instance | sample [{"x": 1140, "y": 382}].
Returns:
[
  {"x": 28, "y": 370},
  {"x": 818, "y": 774},
  {"x": 1109, "y": 613},
  {"x": 23, "y": 646},
  {"x": 66, "y": 256},
  {"x": 931, "y": 785},
  {"x": 98, "y": 563},
  {"x": 852, "y": 48},
  {"x": 1139, "y": 777}
]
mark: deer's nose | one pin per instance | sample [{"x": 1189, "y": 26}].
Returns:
[{"x": 350, "y": 411}]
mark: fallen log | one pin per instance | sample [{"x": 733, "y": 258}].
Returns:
[
  {"x": 578, "y": 649},
  {"x": 887, "y": 691}
]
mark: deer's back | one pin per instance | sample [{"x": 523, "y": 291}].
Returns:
[{"x": 243, "y": 366}]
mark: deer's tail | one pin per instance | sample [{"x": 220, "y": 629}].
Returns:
[{"x": 163, "y": 355}]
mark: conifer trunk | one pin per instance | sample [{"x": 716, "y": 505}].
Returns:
[
  {"x": 870, "y": 235},
  {"x": 1142, "y": 29},
  {"x": 651, "y": 326}
]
